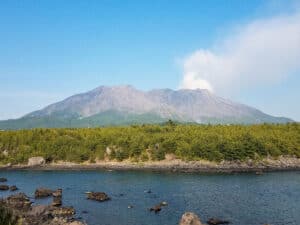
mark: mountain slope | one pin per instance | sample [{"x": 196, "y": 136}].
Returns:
[{"x": 120, "y": 105}]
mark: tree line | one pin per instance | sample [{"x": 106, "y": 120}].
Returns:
[{"x": 152, "y": 142}]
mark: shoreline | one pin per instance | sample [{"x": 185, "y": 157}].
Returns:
[{"x": 266, "y": 165}]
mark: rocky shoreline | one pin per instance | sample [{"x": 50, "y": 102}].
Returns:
[{"x": 174, "y": 165}]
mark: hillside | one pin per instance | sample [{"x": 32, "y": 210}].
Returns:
[{"x": 123, "y": 105}]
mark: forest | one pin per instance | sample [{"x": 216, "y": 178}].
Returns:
[{"x": 140, "y": 143}]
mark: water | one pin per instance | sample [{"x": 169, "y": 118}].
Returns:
[{"x": 243, "y": 199}]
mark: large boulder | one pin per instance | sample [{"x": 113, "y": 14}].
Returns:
[
  {"x": 36, "y": 161},
  {"x": 43, "y": 193},
  {"x": 190, "y": 218}
]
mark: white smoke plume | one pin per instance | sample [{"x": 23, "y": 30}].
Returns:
[{"x": 261, "y": 52}]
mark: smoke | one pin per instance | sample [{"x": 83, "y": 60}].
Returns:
[{"x": 261, "y": 52}]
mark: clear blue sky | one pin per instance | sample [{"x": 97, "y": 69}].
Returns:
[{"x": 52, "y": 49}]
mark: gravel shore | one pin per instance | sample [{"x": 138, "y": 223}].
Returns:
[{"x": 174, "y": 165}]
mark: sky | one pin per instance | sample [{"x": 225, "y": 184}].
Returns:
[{"x": 248, "y": 51}]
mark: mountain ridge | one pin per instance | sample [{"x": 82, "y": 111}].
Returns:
[{"x": 125, "y": 101}]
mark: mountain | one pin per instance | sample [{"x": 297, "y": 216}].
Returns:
[{"x": 121, "y": 105}]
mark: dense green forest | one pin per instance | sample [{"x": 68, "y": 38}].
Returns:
[{"x": 152, "y": 142}]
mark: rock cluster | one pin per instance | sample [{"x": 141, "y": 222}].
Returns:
[{"x": 27, "y": 214}]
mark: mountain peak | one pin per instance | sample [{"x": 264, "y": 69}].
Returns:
[{"x": 125, "y": 101}]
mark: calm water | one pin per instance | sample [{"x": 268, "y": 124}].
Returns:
[{"x": 244, "y": 199}]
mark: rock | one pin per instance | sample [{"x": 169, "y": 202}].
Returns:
[
  {"x": 2, "y": 179},
  {"x": 260, "y": 172},
  {"x": 20, "y": 206},
  {"x": 57, "y": 198},
  {"x": 19, "y": 201},
  {"x": 75, "y": 223},
  {"x": 130, "y": 207},
  {"x": 57, "y": 201},
  {"x": 156, "y": 208},
  {"x": 98, "y": 196},
  {"x": 4, "y": 187},
  {"x": 36, "y": 161},
  {"x": 38, "y": 210},
  {"x": 190, "y": 218},
  {"x": 108, "y": 151},
  {"x": 84, "y": 212},
  {"x": 43, "y": 193},
  {"x": 148, "y": 191},
  {"x": 5, "y": 153},
  {"x": 163, "y": 203},
  {"x": 62, "y": 211},
  {"x": 214, "y": 221},
  {"x": 13, "y": 188},
  {"x": 57, "y": 193}
]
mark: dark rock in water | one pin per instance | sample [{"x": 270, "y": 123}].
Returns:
[
  {"x": 43, "y": 193},
  {"x": 190, "y": 218},
  {"x": 84, "y": 212},
  {"x": 57, "y": 201},
  {"x": 4, "y": 187},
  {"x": 214, "y": 221},
  {"x": 98, "y": 196},
  {"x": 157, "y": 208},
  {"x": 148, "y": 191},
  {"x": 13, "y": 188},
  {"x": 130, "y": 207},
  {"x": 18, "y": 201},
  {"x": 2, "y": 179},
  {"x": 57, "y": 198}
]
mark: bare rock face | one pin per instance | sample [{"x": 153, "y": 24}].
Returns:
[
  {"x": 36, "y": 161},
  {"x": 190, "y": 218}
]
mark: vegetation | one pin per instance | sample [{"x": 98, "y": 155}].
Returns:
[
  {"x": 7, "y": 217},
  {"x": 152, "y": 142}
]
